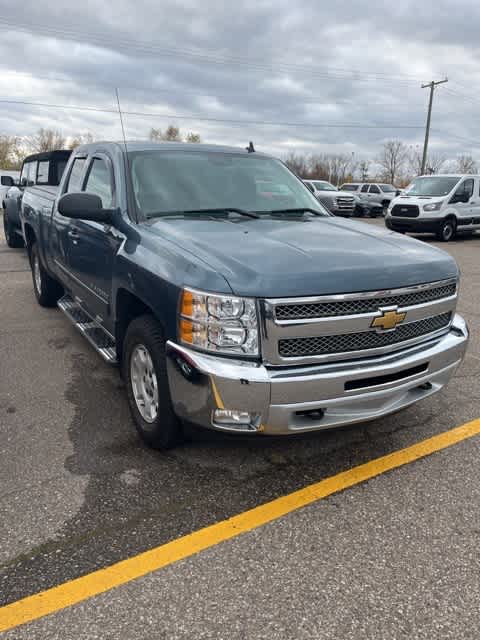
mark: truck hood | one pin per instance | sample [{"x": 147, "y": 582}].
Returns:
[{"x": 309, "y": 256}]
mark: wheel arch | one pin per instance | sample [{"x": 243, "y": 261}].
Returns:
[{"x": 128, "y": 306}]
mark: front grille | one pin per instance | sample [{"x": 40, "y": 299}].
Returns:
[
  {"x": 345, "y": 202},
  {"x": 321, "y": 345},
  {"x": 405, "y": 211},
  {"x": 362, "y": 305}
]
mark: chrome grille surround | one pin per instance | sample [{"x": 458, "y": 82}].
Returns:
[{"x": 348, "y": 334}]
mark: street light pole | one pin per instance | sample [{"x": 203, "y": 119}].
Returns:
[{"x": 432, "y": 86}]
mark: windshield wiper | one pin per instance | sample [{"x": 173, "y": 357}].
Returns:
[
  {"x": 242, "y": 212},
  {"x": 297, "y": 210}
]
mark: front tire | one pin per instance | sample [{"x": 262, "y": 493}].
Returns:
[
  {"x": 447, "y": 230},
  {"x": 47, "y": 290},
  {"x": 145, "y": 373}
]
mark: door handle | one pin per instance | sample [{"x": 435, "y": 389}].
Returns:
[{"x": 73, "y": 234}]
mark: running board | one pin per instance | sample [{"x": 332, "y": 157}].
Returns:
[{"x": 100, "y": 339}]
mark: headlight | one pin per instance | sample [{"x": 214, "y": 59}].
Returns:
[
  {"x": 218, "y": 323},
  {"x": 433, "y": 206}
]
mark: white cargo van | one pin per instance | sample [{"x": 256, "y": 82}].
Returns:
[{"x": 441, "y": 204}]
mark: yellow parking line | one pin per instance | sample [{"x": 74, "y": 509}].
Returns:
[{"x": 75, "y": 591}]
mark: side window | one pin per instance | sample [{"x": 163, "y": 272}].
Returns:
[
  {"x": 374, "y": 189},
  {"x": 24, "y": 174},
  {"x": 465, "y": 189},
  {"x": 76, "y": 175},
  {"x": 32, "y": 173},
  {"x": 365, "y": 188},
  {"x": 99, "y": 182},
  {"x": 42, "y": 172}
]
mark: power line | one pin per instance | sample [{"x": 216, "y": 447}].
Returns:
[
  {"x": 200, "y": 118},
  {"x": 134, "y": 45},
  {"x": 317, "y": 100}
]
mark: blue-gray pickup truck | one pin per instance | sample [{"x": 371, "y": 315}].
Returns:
[{"x": 231, "y": 299}]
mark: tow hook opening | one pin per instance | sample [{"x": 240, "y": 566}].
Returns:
[
  {"x": 426, "y": 386},
  {"x": 312, "y": 414}
]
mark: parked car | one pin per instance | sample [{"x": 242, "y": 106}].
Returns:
[
  {"x": 7, "y": 180},
  {"x": 441, "y": 204},
  {"x": 226, "y": 313},
  {"x": 42, "y": 169},
  {"x": 339, "y": 203},
  {"x": 372, "y": 191}
]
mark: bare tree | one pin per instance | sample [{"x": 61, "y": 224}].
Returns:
[
  {"x": 173, "y": 134},
  {"x": 79, "y": 139},
  {"x": 193, "y": 137},
  {"x": 392, "y": 159},
  {"x": 10, "y": 152},
  {"x": 435, "y": 162},
  {"x": 46, "y": 140},
  {"x": 466, "y": 164},
  {"x": 298, "y": 163},
  {"x": 364, "y": 167}
]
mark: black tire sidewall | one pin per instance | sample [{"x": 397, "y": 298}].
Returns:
[
  {"x": 445, "y": 224},
  {"x": 166, "y": 430},
  {"x": 51, "y": 290}
]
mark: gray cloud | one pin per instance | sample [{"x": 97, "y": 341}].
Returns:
[{"x": 250, "y": 61}]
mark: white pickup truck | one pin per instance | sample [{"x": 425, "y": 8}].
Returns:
[{"x": 442, "y": 204}]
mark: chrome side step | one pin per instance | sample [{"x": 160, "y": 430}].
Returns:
[{"x": 100, "y": 339}]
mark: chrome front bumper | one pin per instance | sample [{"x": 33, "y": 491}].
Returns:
[{"x": 309, "y": 398}]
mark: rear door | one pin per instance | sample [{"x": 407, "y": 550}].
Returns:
[
  {"x": 374, "y": 194},
  {"x": 364, "y": 195},
  {"x": 93, "y": 246},
  {"x": 475, "y": 204},
  {"x": 62, "y": 227}
]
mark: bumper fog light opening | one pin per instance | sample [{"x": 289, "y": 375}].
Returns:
[{"x": 236, "y": 420}]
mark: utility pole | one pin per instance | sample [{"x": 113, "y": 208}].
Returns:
[{"x": 432, "y": 86}]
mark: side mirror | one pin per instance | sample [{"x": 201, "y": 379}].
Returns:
[
  {"x": 398, "y": 192},
  {"x": 460, "y": 197},
  {"x": 7, "y": 181},
  {"x": 84, "y": 206}
]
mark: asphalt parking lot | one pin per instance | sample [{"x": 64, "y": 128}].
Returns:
[{"x": 394, "y": 557}]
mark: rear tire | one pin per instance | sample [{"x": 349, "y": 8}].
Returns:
[
  {"x": 47, "y": 290},
  {"x": 144, "y": 368},
  {"x": 14, "y": 241},
  {"x": 447, "y": 230}
]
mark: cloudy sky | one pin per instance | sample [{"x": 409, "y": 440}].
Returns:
[{"x": 273, "y": 71}]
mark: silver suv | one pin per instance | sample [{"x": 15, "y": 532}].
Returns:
[
  {"x": 372, "y": 191},
  {"x": 338, "y": 202}
]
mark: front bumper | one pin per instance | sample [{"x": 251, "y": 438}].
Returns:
[
  {"x": 309, "y": 398},
  {"x": 414, "y": 225}
]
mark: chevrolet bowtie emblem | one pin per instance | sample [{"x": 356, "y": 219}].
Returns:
[{"x": 388, "y": 320}]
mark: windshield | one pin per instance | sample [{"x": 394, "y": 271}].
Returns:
[
  {"x": 349, "y": 187},
  {"x": 324, "y": 186},
  {"x": 387, "y": 188},
  {"x": 432, "y": 186},
  {"x": 178, "y": 181}
]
